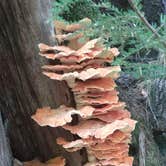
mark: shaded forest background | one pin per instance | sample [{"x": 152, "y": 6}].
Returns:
[{"x": 23, "y": 88}]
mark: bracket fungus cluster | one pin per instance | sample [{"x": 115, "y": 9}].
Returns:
[{"x": 104, "y": 126}]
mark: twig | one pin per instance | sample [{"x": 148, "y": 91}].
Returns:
[
  {"x": 157, "y": 30},
  {"x": 144, "y": 20}
]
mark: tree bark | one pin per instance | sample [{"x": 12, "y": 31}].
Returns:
[
  {"x": 142, "y": 148},
  {"x": 5, "y": 153},
  {"x": 23, "y": 88}
]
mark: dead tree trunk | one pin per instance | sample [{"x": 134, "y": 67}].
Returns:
[{"x": 23, "y": 88}]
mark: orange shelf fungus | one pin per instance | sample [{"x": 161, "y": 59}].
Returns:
[{"x": 105, "y": 126}]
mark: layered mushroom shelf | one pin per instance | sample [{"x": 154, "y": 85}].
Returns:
[{"x": 104, "y": 126}]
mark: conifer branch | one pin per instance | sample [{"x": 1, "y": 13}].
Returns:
[{"x": 144, "y": 20}]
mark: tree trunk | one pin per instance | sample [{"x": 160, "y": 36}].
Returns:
[
  {"x": 23, "y": 88},
  {"x": 5, "y": 153},
  {"x": 157, "y": 104}
]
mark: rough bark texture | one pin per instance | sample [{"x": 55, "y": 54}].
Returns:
[
  {"x": 22, "y": 86},
  {"x": 157, "y": 104},
  {"x": 5, "y": 153},
  {"x": 142, "y": 150},
  {"x": 131, "y": 93}
]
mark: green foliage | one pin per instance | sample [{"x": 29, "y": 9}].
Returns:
[
  {"x": 122, "y": 29},
  {"x": 74, "y": 10}
]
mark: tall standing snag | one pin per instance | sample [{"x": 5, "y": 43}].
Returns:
[{"x": 104, "y": 126}]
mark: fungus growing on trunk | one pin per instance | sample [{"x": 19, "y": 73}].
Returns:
[{"x": 104, "y": 127}]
